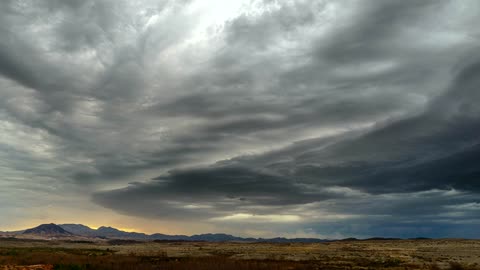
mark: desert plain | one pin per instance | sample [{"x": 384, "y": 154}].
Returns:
[{"x": 123, "y": 254}]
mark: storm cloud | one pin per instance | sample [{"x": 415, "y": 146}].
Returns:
[{"x": 320, "y": 118}]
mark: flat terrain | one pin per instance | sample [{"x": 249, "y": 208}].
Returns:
[{"x": 375, "y": 254}]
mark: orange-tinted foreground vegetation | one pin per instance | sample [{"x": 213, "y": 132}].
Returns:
[{"x": 395, "y": 255}]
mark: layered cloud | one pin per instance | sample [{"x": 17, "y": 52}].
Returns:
[{"x": 335, "y": 118}]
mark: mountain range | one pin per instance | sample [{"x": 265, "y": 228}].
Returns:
[
  {"x": 79, "y": 230},
  {"x": 82, "y": 232}
]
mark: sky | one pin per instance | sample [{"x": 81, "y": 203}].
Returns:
[{"x": 261, "y": 118}]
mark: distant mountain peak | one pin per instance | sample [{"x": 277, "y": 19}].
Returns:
[
  {"x": 107, "y": 229},
  {"x": 48, "y": 230}
]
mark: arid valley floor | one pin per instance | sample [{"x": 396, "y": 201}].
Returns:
[{"x": 373, "y": 254}]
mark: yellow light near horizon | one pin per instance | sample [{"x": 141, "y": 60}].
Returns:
[{"x": 128, "y": 229}]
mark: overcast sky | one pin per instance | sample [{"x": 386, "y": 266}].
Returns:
[{"x": 251, "y": 117}]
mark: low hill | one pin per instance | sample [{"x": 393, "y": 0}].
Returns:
[{"x": 48, "y": 230}]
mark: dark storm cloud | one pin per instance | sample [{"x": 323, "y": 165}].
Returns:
[
  {"x": 301, "y": 113},
  {"x": 436, "y": 149},
  {"x": 223, "y": 189},
  {"x": 411, "y": 163}
]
